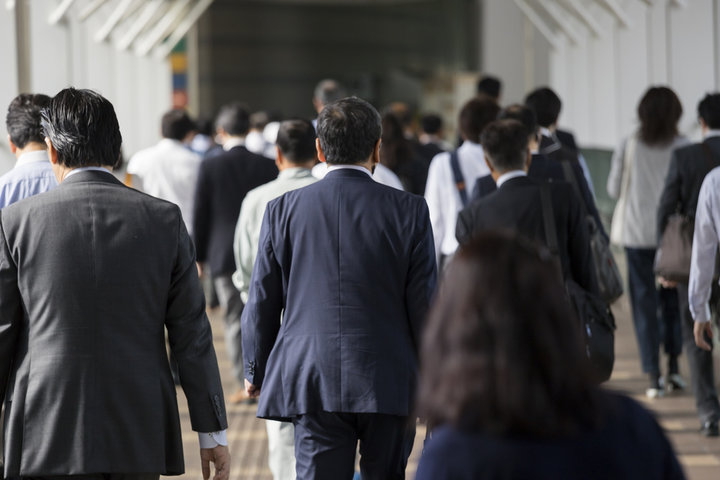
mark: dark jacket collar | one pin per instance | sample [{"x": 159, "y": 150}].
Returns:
[
  {"x": 348, "y": 173},
  {"x": 515, "y": 182}
]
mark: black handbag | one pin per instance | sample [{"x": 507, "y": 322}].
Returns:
[
  {"x": 596, "y": 319},
  {"x": 609, "y": 280},
  {"x": 672, "y": 259}
]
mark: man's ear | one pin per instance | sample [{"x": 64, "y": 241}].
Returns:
[
  {"x": 528, "y": 160},
  {"x": 13, "y": 147},
  {"x": 376, "y": 152},
  {"x": 320, "y": 153},
  {"x": 489, "y": 163},
  {"x": 52, "y": 153},
  {"x": 279, "y": 159}
]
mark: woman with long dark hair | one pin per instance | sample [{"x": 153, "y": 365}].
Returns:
[
  {"x": 397, "y": 154},
  {"x": 506, "y": 383},
  {"x": 637, "y": 175}
]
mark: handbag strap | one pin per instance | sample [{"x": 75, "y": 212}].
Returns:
[
  {"x": 630, "y": 147},
  {"x": 549, "y": 224},
  {"x": 458, "y": 177},
  {"x": 570, "y": 177}
]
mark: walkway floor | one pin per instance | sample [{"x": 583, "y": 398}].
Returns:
[{"x": 700, "y": 456}]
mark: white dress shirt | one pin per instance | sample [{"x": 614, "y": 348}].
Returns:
[
  {"x": 169, "y": 171},
  {"x": 442, "y": 196},
  {"x": 705, "y": 243},
  {"x": 509, "y": 176}
]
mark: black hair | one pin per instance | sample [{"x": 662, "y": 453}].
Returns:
[
  {"x": 348, "y": 130},
  {"x": 23, "y": 119},
  {"x": 475, "y": 116},
  {"x": 296, "y": 140},
  {"x": 659, "y": 112},
  {"x": 176, "y": 124},
  {"x": 396, "y": 148},
  {"x": 234, "y": 119},
  {"x": 709, "y": 110},
  {"x": 546, "y": 104},
  {"x": 507, "y": 358},
  {"x": 505, "y": 142},
  {"x": 490, "y": 86},
  {"x": 431, "y": 123},
  {"x": 522, "y": 114},
  {"x": 328, "y": 91},
  {"x": 83, "y": 129}
]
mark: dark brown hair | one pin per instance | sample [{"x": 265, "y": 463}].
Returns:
[
  {"x": 475, "y": 116},
  {"x": 501, "y": 351},
  {"x": 659, "y": 111},
  {"x": 395, "y": 149}
]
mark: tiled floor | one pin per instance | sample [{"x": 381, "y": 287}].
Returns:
[{"x": 700, "y": 456}]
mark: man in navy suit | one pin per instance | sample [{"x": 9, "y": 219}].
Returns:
[{"x": 350, "y": 265}]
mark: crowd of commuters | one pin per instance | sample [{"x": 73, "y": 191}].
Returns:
[{"x": 324, "y": 240}]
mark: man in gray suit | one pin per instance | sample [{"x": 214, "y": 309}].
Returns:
[{"x": 91, "y": 275}]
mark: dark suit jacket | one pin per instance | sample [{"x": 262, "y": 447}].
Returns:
[
  {"x": 516, "y": 206},
  {"x": 543, "y": 168},
  {"x": 567, "y": 139},
  {"x": 223, "y": 182},
  {"x": 688, "y": 168},
  {"x": 352, "y": 264},
  {"x": 91, "y": 275}
]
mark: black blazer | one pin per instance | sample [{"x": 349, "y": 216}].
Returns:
[
  {"x": 352, "y": 264},
  {"x": 517, "y": 206},
  {"x": 688, "y": 168},
  {"x": 567, "y": 139},
  {"x": 543, "y": 168},
  {"x": 92, "y": 273},
  {"x": 223, "y": 182}
]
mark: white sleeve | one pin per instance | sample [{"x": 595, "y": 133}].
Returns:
[
  {"x": 434, "y": 198},
  {"x": 705, "y": 242}
]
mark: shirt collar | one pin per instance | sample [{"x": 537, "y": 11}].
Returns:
[
  {"x": 712, "y": 133},
  {"x": 294, "y": 172},
  {"x": 332, "y": 168},
  {"x": 35, "y": 156},
  {"x": 86, "y": 169},
  {"x": 509, "y": 175},
  {"x": 234, "y": 142},
  {"x": 545, "y": 132}
]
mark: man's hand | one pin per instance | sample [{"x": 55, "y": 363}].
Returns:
[
  {"x": 666, "y": 283},
  {"x": 220, "y": 457},
  {"x": 252, "y": 390},
  {"x": 698, "y": 329}
]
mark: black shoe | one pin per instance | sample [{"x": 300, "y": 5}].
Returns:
[{"x": 710, "y": 428}]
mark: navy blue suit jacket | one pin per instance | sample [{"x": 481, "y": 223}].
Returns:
[
  {"x": 545, "y": 168},
  {"x": 352, "y": 264}
]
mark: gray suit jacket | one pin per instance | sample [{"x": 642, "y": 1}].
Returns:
[{"x": 91, "y": 274}]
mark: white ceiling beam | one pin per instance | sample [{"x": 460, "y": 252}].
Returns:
[
  {"x": 146, "y": 16},
  {"x": 90, "y": 8},
  {"x": 562, "y": 19},
  {"x": 193, "y": 16},
  {"x": 618, "y": 12},
  {"x": 544, "y": 29},
  {"x": 113, "y": 20},
  {"x": 60, "y": 11},
  {"x": 162, "y": 28},
  {"x": 10, "y": 4},
  {"x": 582, "y": 13}
]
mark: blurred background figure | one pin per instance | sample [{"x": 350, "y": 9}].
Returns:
[
  {"x": 637, "y": 175},
  {"x": 33, "y": 172},
  {"x": 169, "y": 169},
  {"x": 255, "y": 140},
  {"x": 490, "y": 86},
  {"x": 326, "y": 91},
  {"x": 397, "y": 154},
  {"x": 432, "y": 135},
  {"x": 505, "y": 381}
]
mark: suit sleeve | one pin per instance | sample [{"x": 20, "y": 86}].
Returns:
[
  {"x": 202, "y": 212},
  {"x": 11, "y": 311},
  {"x": 588, "y": 198},
  {"x": 261, "y": 316},
  {"x": 191, "y": 340},
  {"x": 670, "y": 197},
  {"x": 581, "y": 262},
  {"x": 422, "y": 275}
]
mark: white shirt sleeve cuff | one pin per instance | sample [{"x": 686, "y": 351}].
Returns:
[{"x": 213, "y": 439}]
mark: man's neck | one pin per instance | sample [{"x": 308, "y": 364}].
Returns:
[{"x": 30, "y": 147}]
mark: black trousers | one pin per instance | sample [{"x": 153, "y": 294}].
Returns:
[
  {"x": 325, "y": 445},
  {"x": 702, "y": 376}
]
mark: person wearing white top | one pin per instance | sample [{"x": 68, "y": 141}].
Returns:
[
  {"x": 441, "y": 191},
  {"x": 169, "y": 170}
]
